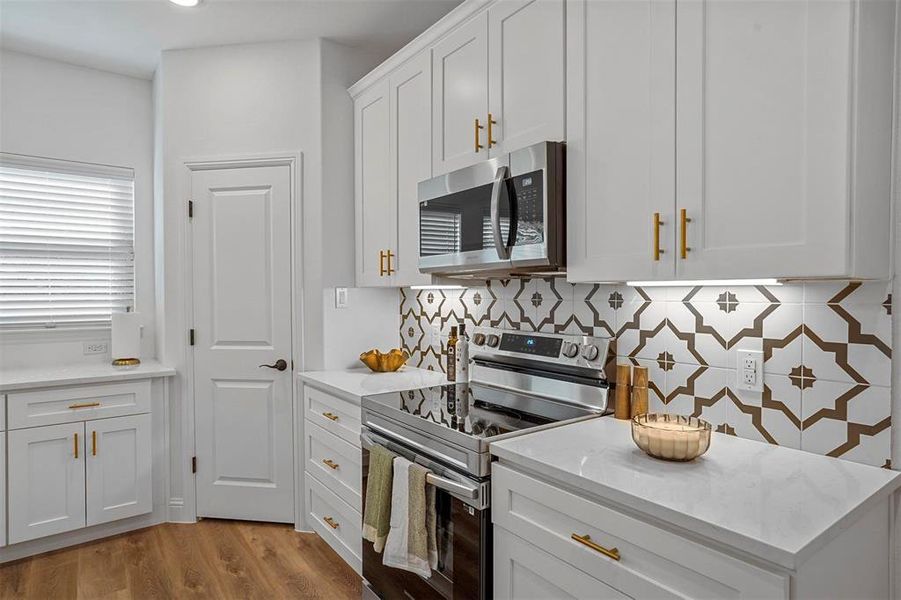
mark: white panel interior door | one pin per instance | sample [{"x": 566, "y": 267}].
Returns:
[
  {"x": 46, "y": 481},
  {"x": 460, "y": 70},
  {"x": 763, "y": 122},
  {"x": 242, "y": 318},
  {"x": 119, "y": 468},
  {"x": 526, "y": 73},
  {"x": 411, "y": 159},
  {"x": 376, "y": 209},
  {"x": 2, "y": 487},
  {"x": 620, "y": 139}
]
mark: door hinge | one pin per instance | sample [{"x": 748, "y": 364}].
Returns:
[
  {"x": 292, "y": 364},
  {"x": 193, "y": 464},
  {"x": 190, "y": 209},
  {"x": 191, "y": 336}
]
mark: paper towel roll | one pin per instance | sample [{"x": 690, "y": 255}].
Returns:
[{"x": 126, "y": 341}]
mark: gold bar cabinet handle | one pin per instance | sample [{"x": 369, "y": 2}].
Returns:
[
  {"x": 684, "y": 220},
  {"x": 330, "y": 416},
  {"x": 491, "y": 140},
  {"x": 330, "y": 463},
  {"x": 93, "y": 443},
  {"x": 478, "y": 145},
  {"x": 330, "y": 522},
  {"x": 657, "y": 224},
  {"x": 390, "y": 255},
  {"x": 84, "y": 405},
  {"x": 76, "y": 445},
  {"x": 381, "y": 263},
  {"x": 586, "y": 540}
]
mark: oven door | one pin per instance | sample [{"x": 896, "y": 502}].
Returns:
[{"x": 463, "y": 532}]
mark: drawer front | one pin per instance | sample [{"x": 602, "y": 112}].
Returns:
[
  {"x": 652, "y": 561},
  {"x": 335, "y": 521},
  {"x": 522, "y": 570},
  {"x": 336, "y": 463},
  {"x": 77, "y": 403},
  {"x": 333, "y": 414}
]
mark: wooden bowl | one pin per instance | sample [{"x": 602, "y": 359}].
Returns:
[
  {"x": 384, "y": 363},
  {"x": 671, "y": 437}
]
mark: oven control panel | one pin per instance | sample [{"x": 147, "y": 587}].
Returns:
[{"x": 576, "y": 350}]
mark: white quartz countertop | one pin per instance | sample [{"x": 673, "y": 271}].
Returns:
[
  {"x": 353, "y": 384},
  {"x": 35, "y": 377},
  {"x": 776, "y": 503}
]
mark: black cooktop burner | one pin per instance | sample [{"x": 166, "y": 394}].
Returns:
[{"x": 476, "y": 410}]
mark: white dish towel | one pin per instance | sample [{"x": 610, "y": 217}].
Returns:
[{"x": 397, "y": 551}]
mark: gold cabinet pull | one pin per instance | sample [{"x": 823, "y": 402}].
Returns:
[
  {"x": 381, "y": 263},
  {"x": 657, "y": 224},
  {"x": 684, "y": 220},
  {"x": 84, "y": 405},
  {"x": 478, "y": 145},
  {"x": 330, "y": 463},
  {"x": 491, "y": 140},
  {"x": 93, "y": 443},
  {"x": 586, "y": 540},
  {"x": 76, "y": 445},
  {"x": 330, "y": 522},
  {"x": 330, "y": 416},
  {"x": 389, "y": 256}
]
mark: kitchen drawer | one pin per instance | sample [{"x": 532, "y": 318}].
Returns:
[
  {"x": 522, "y": 570},
  {"x": 335, "y": 521},
  {"x": 334, "y": 414},
  {"x": 335, "y": 463},
  {"x": 653, "y": 561},
  {"x": 77, "y": 403}
]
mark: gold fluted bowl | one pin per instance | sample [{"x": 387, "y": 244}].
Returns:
[
  {"x": 671, "y": 437},
  {"x": 384, "y": 363}
]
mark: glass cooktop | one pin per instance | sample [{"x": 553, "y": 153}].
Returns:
[{"x": 472, "y": 409}]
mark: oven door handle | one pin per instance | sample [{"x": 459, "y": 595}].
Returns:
[
  {"x": 463, "y": 490},
  {"x": 500, "y": 244}
]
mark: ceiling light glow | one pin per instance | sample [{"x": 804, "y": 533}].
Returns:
[
  {"x": 707, "y": 282},
  {"x": 187, "y": 3}
]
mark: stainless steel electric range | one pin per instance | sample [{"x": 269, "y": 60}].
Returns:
[{"x": 520, "y": 382}]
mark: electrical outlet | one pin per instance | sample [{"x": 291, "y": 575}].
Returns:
[
  {"x": 96, "y": 347},
  {"x": 749, "y": 370}
]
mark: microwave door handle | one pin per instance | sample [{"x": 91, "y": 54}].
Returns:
[{"x": 497, "y": 189}]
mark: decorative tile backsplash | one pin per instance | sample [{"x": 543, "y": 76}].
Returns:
[{"x": 827, "y": 349}]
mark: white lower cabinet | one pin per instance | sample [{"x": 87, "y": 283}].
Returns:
[
  {"x": 118, "y": 475},
  {"x": 2, "y": 488},
  {"x": 46, "y": 481}
]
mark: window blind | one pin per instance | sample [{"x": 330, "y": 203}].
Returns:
[
  {"x": 439, "y": 233},
  {"x": 66, "y": 242}
]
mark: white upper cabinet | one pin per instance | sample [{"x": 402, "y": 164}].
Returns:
[
  {"x": 375, "y": 222},
  {"x": 526, "y": 69},
  {"x": 411, "y": 161},
  {"x": 779, "y": 107},
  {"x": 460, "y": 110},
  {"x": 620, "y": 138},
  {"x": 760, "y": 132}
]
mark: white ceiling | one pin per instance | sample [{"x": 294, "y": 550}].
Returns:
[{"x": 126, "y": 36}]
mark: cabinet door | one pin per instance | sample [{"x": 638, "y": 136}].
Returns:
[
  {"x": 526, "y": 68},
  {"x": 375, "y": 208},
  {"x": 524, "y": 572},
  {"x": 119, "y": 459},
  {"x": 620, "y": 139},
  {"x": 2, "y": 487},
  {"x": 460, "y": 84},
  {"x": 763, "y": 147},
  {"x": 46, "y": 481},
  {"x": 411, "y": 160}
]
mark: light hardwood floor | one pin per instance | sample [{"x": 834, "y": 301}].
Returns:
[{"x": 211, "y": 559}]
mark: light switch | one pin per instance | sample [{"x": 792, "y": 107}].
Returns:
[
  {"x": 749, "y": 370},
  {"x": 341, "y": 297}
]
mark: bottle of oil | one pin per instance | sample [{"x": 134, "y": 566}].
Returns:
[
  {"x": 462, "y": 356},
  {"x": 451, "y": 368}
]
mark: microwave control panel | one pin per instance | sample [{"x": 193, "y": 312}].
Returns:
[{"x": 529, "y": 191}]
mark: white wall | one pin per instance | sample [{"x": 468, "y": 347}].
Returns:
[{"x": 56, "y": 110}]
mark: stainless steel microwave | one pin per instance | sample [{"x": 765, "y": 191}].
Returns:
[{"x": 501, "y": 216}]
